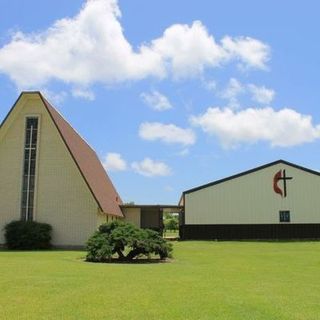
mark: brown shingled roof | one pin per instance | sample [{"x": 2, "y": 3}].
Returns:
[{"x": 88, "y": 163}]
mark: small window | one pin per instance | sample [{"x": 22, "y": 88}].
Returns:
[{"x": 284, "y": 216}]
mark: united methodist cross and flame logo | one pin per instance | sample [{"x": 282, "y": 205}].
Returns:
[{"x": 281, "y": 176}]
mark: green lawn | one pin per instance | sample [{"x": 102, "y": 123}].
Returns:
[
  {"x": 171, "y": 234},
  {"x": 206, "y": 280}
]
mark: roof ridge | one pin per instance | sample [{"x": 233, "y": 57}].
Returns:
[
  {"x": 61, "y": 115},
  {"x": 88, "y": 163},
  {"x": 242, "y": 173}
]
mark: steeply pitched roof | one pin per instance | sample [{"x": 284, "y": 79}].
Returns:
[
  {"x": 87, "y": 162},
  {"x": 251, "y": 171}
]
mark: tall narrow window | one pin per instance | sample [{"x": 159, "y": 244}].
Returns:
[{"x": 29, "y": 169}]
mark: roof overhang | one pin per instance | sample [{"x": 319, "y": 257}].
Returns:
[
  {"x": 317, "y": 173},
  {"x": 163, "y": 207}
]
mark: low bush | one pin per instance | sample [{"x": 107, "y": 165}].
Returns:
[
  {"x": 125, "y": 242},
  {"x": 27, "y": 235}
]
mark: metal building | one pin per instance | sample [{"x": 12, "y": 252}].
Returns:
[{"x": 279, "y": 200}]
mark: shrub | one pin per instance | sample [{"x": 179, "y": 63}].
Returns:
[
  {"x": 27, "y": 235},
  {"x": 126, "y": 242},
  {"x": 98, "y": 247}
]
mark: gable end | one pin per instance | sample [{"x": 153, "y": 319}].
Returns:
[{"x": 210, "y": 184}]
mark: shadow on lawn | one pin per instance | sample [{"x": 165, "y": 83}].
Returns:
[
  {"x": 264, "y": 240},
  {"x": 134, "y": 261}
]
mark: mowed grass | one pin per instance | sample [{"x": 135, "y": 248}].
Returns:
[
  {"x": 206, "y": 280},
  {"x": 171, "y": 234}
]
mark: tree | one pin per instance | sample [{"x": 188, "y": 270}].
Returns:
[
  {"x": 125, "y": 242},
  {"x": 170, "y": 221},
  {"x": 171, "y": 224}
]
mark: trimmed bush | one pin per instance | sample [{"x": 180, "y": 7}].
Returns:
[
  {"x": 125, "y": 242},
  {"x": 27, "y": 235}
]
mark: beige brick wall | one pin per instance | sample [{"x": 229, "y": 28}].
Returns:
[
  {"x": 62, "y": 197},
  {"x": 133, "y": 215},
  {"x": 11, "y": 154},
  {"x": 102, "y": 218}
]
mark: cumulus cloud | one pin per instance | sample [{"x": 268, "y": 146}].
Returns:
[
  {"x": 232, "y": 91},
  {"x": 55, "y": 97},
  {"x": 114, "y": 162},
  {"x": 91, "y": 47},
  {"x": 261, "y": 94},
  {"x": 147, "y": 167},
  {"x": 235, "y": 88},
  {"x": 250, "y": 52},
  {"x": 156, "y": 100},
  {"x": 283, "y": 128},
  {"x": 168, "y": 133},
  {"x": 151, "y": 168}
]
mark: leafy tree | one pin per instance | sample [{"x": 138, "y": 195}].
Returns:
[
  {"x": 171, "y": 224},
  {"x": 126, "y": 242}
]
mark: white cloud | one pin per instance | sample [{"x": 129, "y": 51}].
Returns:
[
  {"x": 232, "y": 91},
  {"x": 147, "y": 167},
  {"x": 83, "y": 93},
  {"x": 188, "y": 49},
  {"x": 250, "y": 52},
  {"x": 261, "y": 94},
  {"x": 184, "y": 152},
  {"x": 235, "y": 88},
  {"x": 168, "y": 133},
  {"x": 151, "y": 168},
  {"x": 156, "y": 100},
  {"x": 210, "y": 85},
  {"x": 91, "y": 47},
  {"x": 283, "y": 128},
  {"x": 114, "y": 162},
  {"x": 55, "y": 97}
]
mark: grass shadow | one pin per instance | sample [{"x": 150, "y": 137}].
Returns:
[{"x": 134, "y": 261}]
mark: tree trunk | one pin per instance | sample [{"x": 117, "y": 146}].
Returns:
[
  {"x": 120, "y": 254},
  {"x": 133, "y": 253}
]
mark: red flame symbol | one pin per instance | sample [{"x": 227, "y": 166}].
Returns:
[{"x": 276, "y": 179}]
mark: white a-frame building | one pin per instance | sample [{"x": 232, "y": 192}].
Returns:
[{"x": 48, "y": 173}]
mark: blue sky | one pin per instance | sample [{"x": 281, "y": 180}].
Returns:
[{"x": 172, "y": 94}]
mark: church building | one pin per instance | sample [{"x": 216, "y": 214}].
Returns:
[
  {"x": 279, "y": 200},
  {"x": 49, "y": 174}
]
